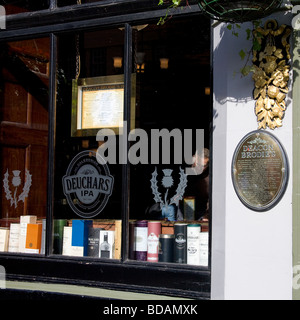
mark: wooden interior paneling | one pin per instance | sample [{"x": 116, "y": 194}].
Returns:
[{"x": 24, "y": 129}]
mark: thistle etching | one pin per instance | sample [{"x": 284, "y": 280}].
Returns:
[
  {"x": 168, "y": 182},
  {"x": 16, "y": 182}
]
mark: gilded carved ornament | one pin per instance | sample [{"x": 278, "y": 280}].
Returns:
[{"x": 271, "y": 70}]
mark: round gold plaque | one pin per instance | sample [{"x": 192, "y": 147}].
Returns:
[{"x": 260, "y": 171}]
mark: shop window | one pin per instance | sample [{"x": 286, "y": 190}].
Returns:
[
  {"x": 24, "y": 145},
  {"x": 128, "y": 117},
  {"x": 169, "y": 85},
  {"x": 19, "y": 6},
  {"x": 88, "y": 196},
  {"x": 169, "y": 209}
]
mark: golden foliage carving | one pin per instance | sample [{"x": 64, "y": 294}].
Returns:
[{"x": 271, "y": 73}]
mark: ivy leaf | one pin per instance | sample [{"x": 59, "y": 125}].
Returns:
[
  {"x": 229, "y": 27},
  {"x": 248, "y": 31},
  {"x": 176, "y": 2},
  {"x": 256, "y": 23},
  {"x": 242, "y": 54},
  {"x": 256, "y": 45},
  {"x": 246, "y": 70}
]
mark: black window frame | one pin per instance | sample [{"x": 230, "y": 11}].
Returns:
[{"x": 179, "y": 280}]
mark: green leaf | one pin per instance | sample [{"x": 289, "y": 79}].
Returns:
[
  {"x": 242, "y": 54},
  {"x": 247, "y": 69},
  {"x": 229, "y": 27},
  {"x": 256, "y": 23},
  {"x": 256, "y": 45},
  {"x": 258, "y": 34},
  {"x": 248, "y": 31},
  {"x": 176, "y": 2}
]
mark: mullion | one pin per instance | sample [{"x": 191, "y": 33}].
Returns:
[
  {"x": 126, "y": 167},
  {"x": 51, "y": 143}
]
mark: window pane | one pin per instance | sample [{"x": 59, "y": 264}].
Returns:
[
  {"x": 24, "y": 144},
  {"x": 18, "y": 6},
  {"x": 172, "y": 64},
  {"x": 88, "y": 195},
  {"x": 62, "y": 3}
]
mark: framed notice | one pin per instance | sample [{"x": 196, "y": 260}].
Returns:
[
  {"x": 98, "y": 103},
  {"x": 260, "y": 170},
  {"x": 189, "y": 208}
]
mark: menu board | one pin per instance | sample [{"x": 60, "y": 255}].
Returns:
[
  {"x": 260, "y": 171},
  {"x": 98, "y": 103},
  {"x": 102, "y": 107}
]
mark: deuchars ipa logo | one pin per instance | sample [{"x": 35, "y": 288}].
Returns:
[{"x": 87, "y": 185}]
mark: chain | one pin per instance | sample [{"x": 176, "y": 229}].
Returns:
[
  {"x": 135, "y": 49},
  {"x": 77, "y": 39}
]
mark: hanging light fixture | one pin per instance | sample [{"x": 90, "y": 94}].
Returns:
[
  {"x": 236, "y": 11},
  {"x": 164, "y": 63},
  {"x": 207, "y": 91},
  {"x": 118, "y": 62},
  {"x": 140, "y": 62}
]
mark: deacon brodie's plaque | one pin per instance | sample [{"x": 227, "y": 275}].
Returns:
[{"x": 260, "y": 171}]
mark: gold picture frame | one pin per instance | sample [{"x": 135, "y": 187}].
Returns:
[
  {"x": 98, "y": 103},
  {"x": 189, "y": 207}
]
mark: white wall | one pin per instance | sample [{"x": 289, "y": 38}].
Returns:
[{"x": 251, "y": 252}]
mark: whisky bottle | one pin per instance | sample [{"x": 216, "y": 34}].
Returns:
[{"x": 105, "y": 247}]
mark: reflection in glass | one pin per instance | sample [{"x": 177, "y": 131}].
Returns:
[
  {"x": 86, "y": 55},
  {"x": 19, "y": 6},
  {"x": 172, "y": 63},
  {"x": 62, "y": 3},
  {"x": 24, "y": 145}
]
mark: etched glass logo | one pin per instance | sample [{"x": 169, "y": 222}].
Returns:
[{"x": 87, "y": 185}]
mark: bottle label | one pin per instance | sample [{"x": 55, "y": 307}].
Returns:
[
  {"x": 180, "y": 241},
  {"x": 153, "y": 244},
  {"x": 141, "y": 236},
  {"x": 105, "y": 253}
]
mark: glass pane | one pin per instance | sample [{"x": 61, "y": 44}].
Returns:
[
  {"x": 24, "y": 144},
  {"x": 62, "y": 3},
  {"x": 169, "y": 208},
  {"x": 18, "y": 6},
  {"x": 88, "y": 195}
]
